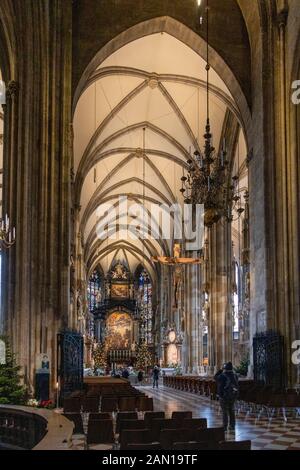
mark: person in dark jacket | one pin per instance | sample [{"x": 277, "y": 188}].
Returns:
[
  {"x": 140, "y": 376},
  {"x": 220, "y": 371},
  {"x": 125, "y": 374},
  {"x": 227, "y": 383},
  {"x": 155, "y": 375}
]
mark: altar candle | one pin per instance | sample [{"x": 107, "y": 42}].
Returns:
[{"x": 57, "y": 395}]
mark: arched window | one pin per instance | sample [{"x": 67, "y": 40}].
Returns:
[
  {"x": 94, "y": 290},
  {"x": 145, "y": 306}
]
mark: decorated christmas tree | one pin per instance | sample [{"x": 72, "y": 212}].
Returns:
[
  {"x": 242, "y": 369},
  {"x": 99, "y": 356},
  {"x": 11, "y": 389},
  {"x": 143, "y": 356}
]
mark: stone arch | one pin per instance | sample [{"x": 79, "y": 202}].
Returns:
[{"x": 184, "y": 34}]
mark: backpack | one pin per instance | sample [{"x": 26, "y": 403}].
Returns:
[{"x": 231, "y": 391}]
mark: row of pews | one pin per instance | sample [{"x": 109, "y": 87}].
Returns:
[
  {"x": 194, "y": 384},
  {"x": 206, "y": 386}
]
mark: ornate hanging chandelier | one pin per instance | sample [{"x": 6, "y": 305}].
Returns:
[
  {"x": 207, "y": 179},
  {"x": 7, "y": 234}
]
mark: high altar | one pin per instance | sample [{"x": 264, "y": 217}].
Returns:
[{"x": 117, "y": 318}]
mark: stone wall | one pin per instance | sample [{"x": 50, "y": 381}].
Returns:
[
  {"x": 38, "y": 39},
  {"x": 35, "y": 276},
  {"x": 96, "y": 23}
]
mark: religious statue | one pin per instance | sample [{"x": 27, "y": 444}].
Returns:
[
  {"x": 177, "y": 262},
  {"x": 98, "y": 296},
  {"x": 72, "y": 262},
  {"x": 45, "y": 362},
  {"x": 80, "y": 307},
  {"x": 131, "y": 291},
  {"x": 78, "y": 301},
  {"x": 72, "y": 276},
  {"x": 107, "y": 290},
  {"x": 176, "y": 258},
  {"x": 177, "y": 281},
  {"x": 119, "y": 272},
  {"x": 247, "y": 286},
  {"x": 182, "y": 324}
]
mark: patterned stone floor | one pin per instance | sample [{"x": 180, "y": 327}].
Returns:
[
  {"x": 273, "y": 435},
  {"x": 264, "y": 435}
]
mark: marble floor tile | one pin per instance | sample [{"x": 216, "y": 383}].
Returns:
[{"x": 264, "y": 434}]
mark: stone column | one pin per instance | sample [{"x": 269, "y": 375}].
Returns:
[
  {"x": 187, "y": 323},
  {"x": 220, "y": 321},
  {"x": 285, "y": 253},
  {"x": 9, "y": 200},
  {"x": 190, "y": 347},
  {"x": 37, "y": 182},
  {"x": 195, "y": 314},
  {"x": 200, "y": 322}
]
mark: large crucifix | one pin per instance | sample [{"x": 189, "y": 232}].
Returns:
[{"x": 177, "y": 262}]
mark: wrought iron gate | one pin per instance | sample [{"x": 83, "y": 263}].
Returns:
[
  {"x": 268, "y": 358},
  {"x": 70, "y": 362}
]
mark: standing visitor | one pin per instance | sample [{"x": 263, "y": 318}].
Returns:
[
  {"x": 140, "y": 377},
  {"x": 125, "y": 374},
  {"x": 228, "y": 389},
  {"x": 155, "y": 374}
]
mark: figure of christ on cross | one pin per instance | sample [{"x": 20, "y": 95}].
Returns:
[{"x": 178, "y": 263}]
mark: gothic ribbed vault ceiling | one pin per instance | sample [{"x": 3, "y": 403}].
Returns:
[{"x": 156, "y": 83}]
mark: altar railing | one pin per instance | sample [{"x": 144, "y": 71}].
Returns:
[{"x": 25, "y": 428}]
